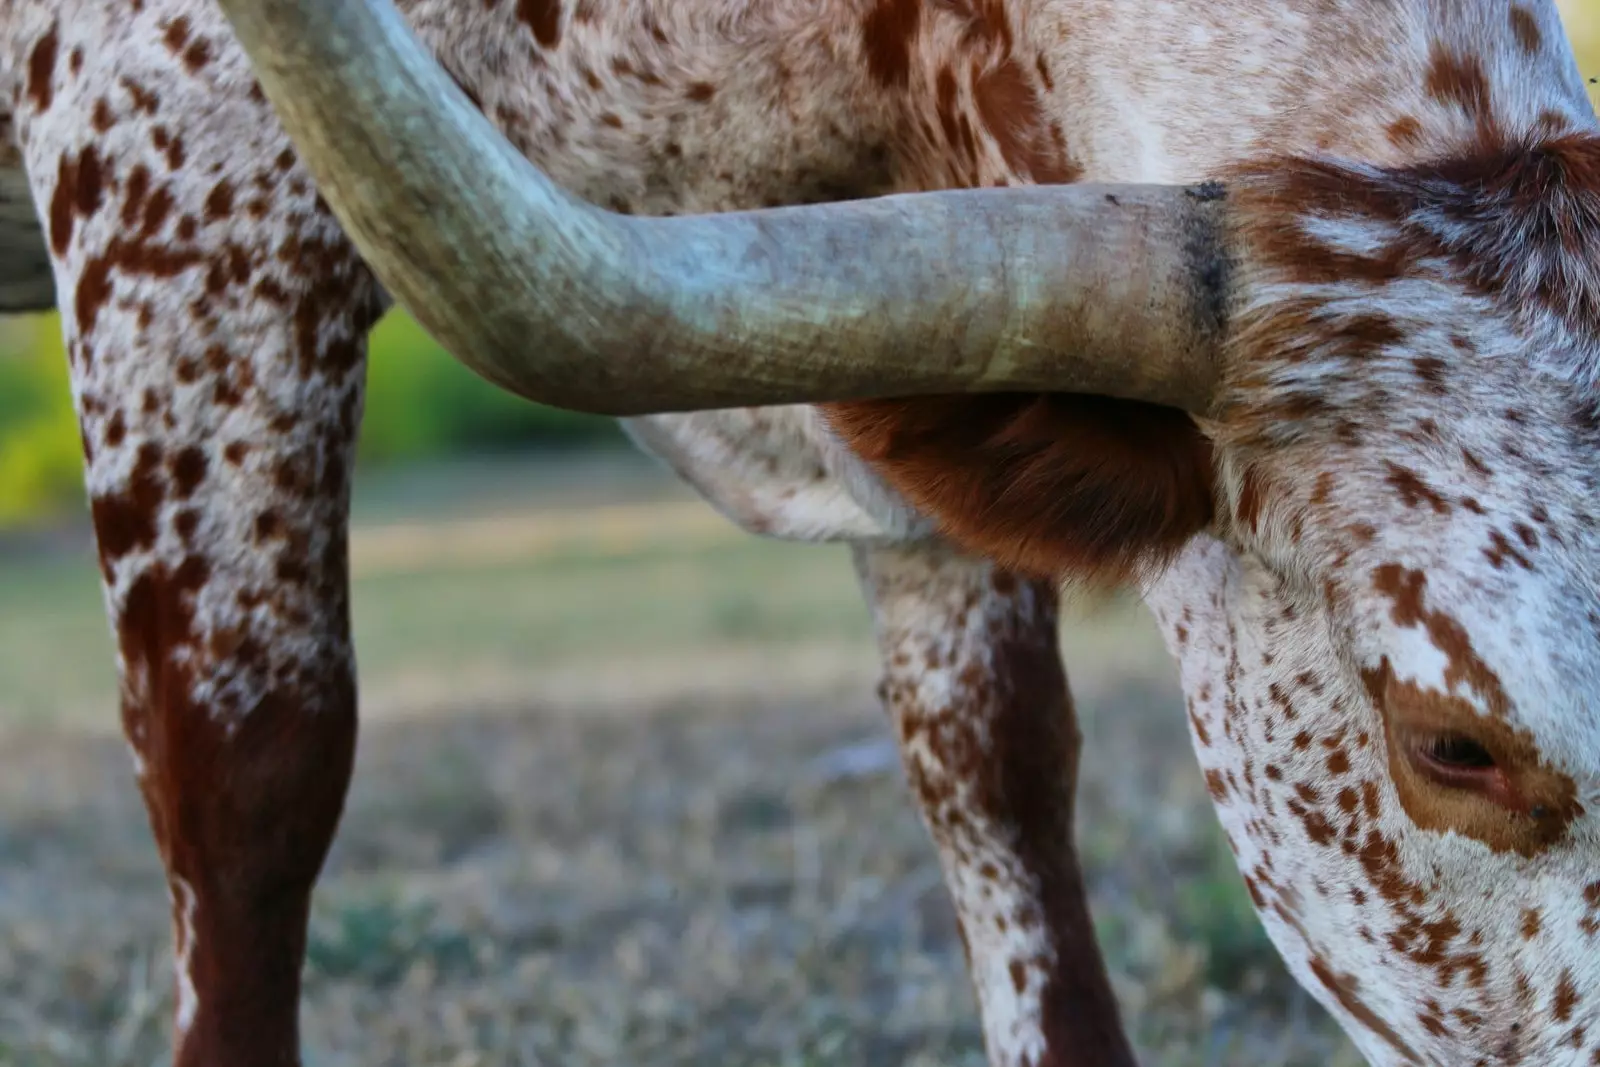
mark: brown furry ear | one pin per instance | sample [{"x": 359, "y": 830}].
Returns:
[{"x": 1052, "y": 485}]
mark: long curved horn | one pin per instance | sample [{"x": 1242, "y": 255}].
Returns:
[{"x": 1120, "y": 291}]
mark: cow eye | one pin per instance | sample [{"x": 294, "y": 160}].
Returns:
[{"x": 1453, "y": 750}]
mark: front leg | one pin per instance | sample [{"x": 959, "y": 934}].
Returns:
[
  {"x": 988, "y": 737},
  {"x": 215, "y": 319}
]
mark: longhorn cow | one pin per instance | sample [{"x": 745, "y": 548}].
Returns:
[{"x": 1286, "y": 315}]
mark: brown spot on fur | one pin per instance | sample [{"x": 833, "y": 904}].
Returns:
[
  {"x": 144, "y": 101},
  {"x": 1011, "y": 110},
  {"x": 1458, "y": 80},
  {"x": 219, "y": 202},
  {"x": 887, "y": 35},
  {"x": 102, "y": 119},
  {"x": 1405, "y": 132},
  {"x": 1252, "y": 499},
  {"x": 1566, "y": 997},
  {"x": 42, "y": 70},
  {"x": 1344, "y": 988},
  {"x": 125, "y": 521},
  {"x": 134, "y": 255},
  {"x": 169, "y": 146},
  {"x": 188, "y": 471},
  {"x": 1317, "y": 827},
  {"x": 1414, "y": 492},
  {"x": 1430, "y": 371},
  {"x": 1550, "y": 124},
  {"x": 1526, "y": 28},
  {"x": 1406, "y": 589},
  {"x": 1019, "y": 976},
  {"x": 79, "y": 192},
  {"x": 1500, "y": 549},
  {"x": 543, "y": 17},
  {"x": 1200, "y": 731},
  {"x": 176, "y": 34},
  {"x": 1049, "y": 484},
  {"x": 197, "y": 55}
]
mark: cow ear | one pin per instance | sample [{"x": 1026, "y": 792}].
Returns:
[{"x": 1077, "y": 488}]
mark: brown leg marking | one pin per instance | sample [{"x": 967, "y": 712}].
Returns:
[
  {"x": 974, "y": 681},
  {"x": 215, "y": 319}
]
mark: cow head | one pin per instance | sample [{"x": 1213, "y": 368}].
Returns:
[
  {"x": 1391, "y": 650},
  {"x": 1375, "y": 555}
]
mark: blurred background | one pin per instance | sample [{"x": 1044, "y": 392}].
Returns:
[{"x": 624, "y": 793}]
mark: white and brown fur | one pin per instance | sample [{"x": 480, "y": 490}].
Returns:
[{"x": 1387, "y": 534}]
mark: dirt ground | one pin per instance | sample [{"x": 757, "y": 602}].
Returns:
[{"x": 588, "y": 829}]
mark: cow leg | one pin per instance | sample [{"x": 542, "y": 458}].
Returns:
[
  {"x": 974, "y": 682},
  {"x": 215, "y": 319}
]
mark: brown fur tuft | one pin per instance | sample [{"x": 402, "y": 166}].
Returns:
[{"x": 1084, "y": 488}]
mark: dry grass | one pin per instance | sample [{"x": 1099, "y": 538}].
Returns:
[{"x": 624, "y": 802}]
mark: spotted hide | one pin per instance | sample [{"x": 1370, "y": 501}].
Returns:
[{"x": 1375, "y": 558}]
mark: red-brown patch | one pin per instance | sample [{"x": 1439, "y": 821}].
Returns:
[
  {"x": 1052, "y": 485},
  {"x": 197, "y": 55},
  {"x": 170, "y": 146},
  {"x": 1011, "y": 109},
  {"x": 1406, "y": 589},
  {"x": 80, "y": 188},
  {"x": 1413, "y": 490},
  {"x": 1344, "y": 989},
  {"x": 287, "y": 764},
  {"x": 1405, "y": 132},
  {"x": 1458, "y": 80},
  {"x": 188, "y": 471},
  {"x": 1551, "y": 124},
  {"x": 42, "y": 70},
  {"x": 888, "y": 34},
  {"x": 176, "y": 34},
  {"x": 125, "y": 520},
  {"x": 101, "y": 119},
  {"x": 1500, "y": 550},
  {"x": 543, "y": 17},
  {"x": 219, "y": 202},
  {"x": 1526, "y": 28},
  {"x": 1252, "y": 499},
  {"x": 1566, "y": 997}
]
